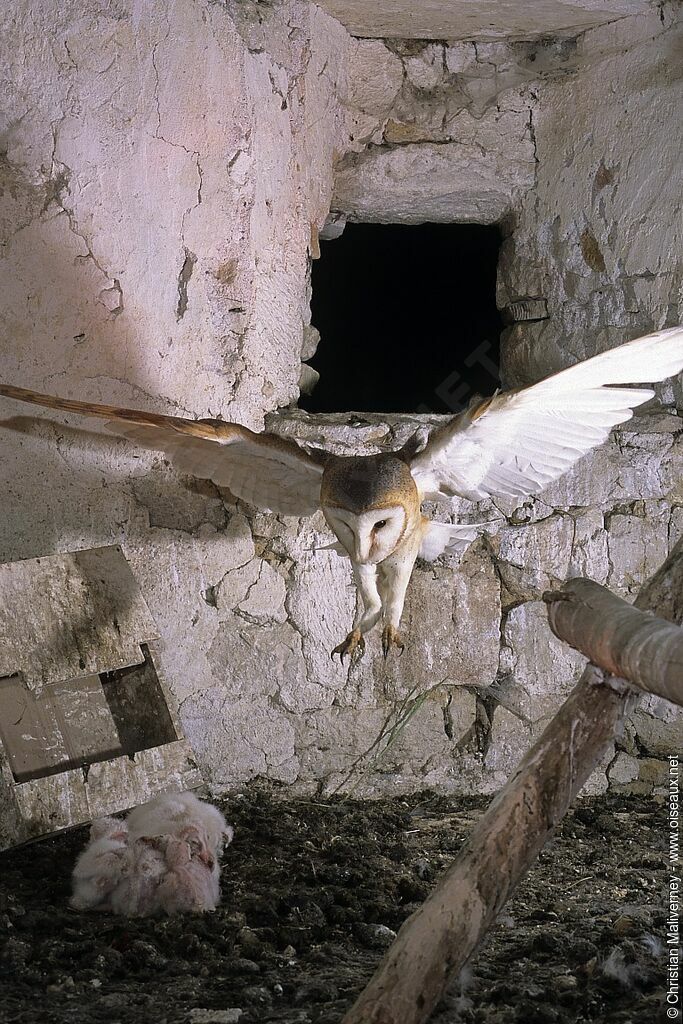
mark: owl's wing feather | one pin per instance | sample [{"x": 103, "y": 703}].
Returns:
[
  {"x": 446, "y": 539},
  {"x": 519, "y": 442},
  {"x": 264, "y": 469}
]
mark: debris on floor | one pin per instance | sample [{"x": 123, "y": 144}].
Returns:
[{"x": 313, "y": 891}]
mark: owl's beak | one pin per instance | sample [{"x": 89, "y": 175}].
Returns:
[{"x": 361, "y": 553}]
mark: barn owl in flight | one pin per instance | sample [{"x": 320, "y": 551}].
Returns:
[{"x": 514, "y": 443}]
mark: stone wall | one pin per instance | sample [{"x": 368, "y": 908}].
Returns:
[
  {"x": 599, "y": 237},
  {"x": 599, "y": 240},
  {"x": 482, "y": 673},
  {"x": 575, "y": 143},
  {"x": 442, "y": 132},
  {"x": 166, "y": 171}
]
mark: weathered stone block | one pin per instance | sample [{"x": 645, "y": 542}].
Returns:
[
  {"x": 624, "y": 769},
  {"x": 543, "y": 668},
  {"x": 658, "y": 726},
  {"x": 449, "y": 182},
  {"x": 653, "y": 771}
]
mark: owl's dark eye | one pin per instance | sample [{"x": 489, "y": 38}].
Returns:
[{"x": 381, "y": 524}]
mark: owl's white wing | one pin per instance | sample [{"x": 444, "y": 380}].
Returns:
[
  {"x": 446, "y": 539},
  {"x": 264, "y": 469},
  {"x": 518, "y": 442}
]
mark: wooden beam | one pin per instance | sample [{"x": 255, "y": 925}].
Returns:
[
  {"x": 625, "y": 641},
  {"x": 436, "y": 941}
]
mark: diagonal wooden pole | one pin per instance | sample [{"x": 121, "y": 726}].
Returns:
[{"x": 436, "y": 941}]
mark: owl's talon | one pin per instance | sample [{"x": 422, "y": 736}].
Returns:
[
  {"x": 391, "y": 638},
  {"x": 354, "y": 646}
]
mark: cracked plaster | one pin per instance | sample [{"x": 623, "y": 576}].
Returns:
[{"x": 165, "y": 174}]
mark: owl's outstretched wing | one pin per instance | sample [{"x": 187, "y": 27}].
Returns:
[
  {"x": 264, "y": 469},
  {"x": 518, "y": 442},
  {"x": 446, "y": 539}
]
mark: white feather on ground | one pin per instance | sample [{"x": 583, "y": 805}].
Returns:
[{"x": 627, "y": 974}]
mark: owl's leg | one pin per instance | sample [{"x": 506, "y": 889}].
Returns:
[
  {"x": 365, "y": 618},
  {"x": 394, "y": 577}
]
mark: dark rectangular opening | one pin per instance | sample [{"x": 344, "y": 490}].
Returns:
[
  {"x": 407, "y": 318},
  {"x": 138, "y": 706}
]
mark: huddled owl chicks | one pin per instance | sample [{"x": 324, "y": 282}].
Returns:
[{"x": 162, "y": 858}]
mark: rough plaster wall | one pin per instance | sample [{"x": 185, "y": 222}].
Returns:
[
  {"x": 154, "y": 165},
  {"x": 442, "y": 132},
  {"x": 576, "y": 145},
  {"x": 162, "y": 171},
  {"x": 161, "y": 167},
  {"x": 601, "y": 239}
]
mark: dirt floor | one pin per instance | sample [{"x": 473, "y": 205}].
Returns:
[{"x": 312, "y": 894}]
